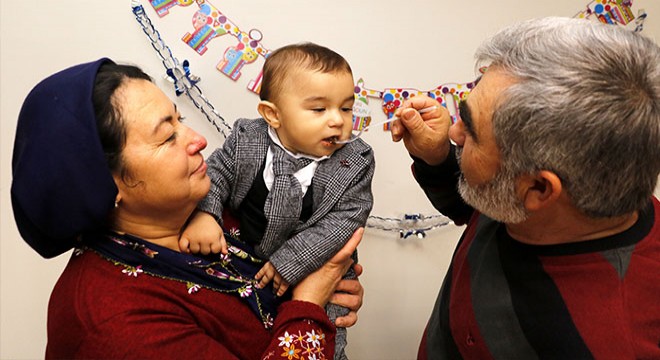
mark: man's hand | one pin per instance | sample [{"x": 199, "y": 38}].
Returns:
[{"x": 424, "y": 135}]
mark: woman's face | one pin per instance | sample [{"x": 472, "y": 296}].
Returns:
[{"x": 165, "y": 171}]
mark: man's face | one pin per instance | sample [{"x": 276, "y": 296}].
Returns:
[{"x": 484, "y": 183}]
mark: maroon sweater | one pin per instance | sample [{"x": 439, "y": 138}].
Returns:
[{"x": 98, "y": 311}]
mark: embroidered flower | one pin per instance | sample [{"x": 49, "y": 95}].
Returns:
[
  {"x": 268, "y": 321},
  {"x": 148, "y": 252},
  {"x": 119, "y": 241},
  {"x": 225, "y": 258},
  {"x": 216, "y": 273},
  {"x": 308, "y": 349},
  {"x": 300, "y": 338},
  {"x": 286, "y": 339},
  {"x": 133, "y": 270},
  {"x": 314, "y": 338},
  {"x": 238, "y": 252},
  {"x": 234, "y": 232},
  {"x": 290, "y": 352},
  {"x": 192, "y": 287},
  {"x": 245, "y": 291}
]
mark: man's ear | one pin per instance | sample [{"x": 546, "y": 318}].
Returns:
[
  {"x": 540, "y": 189},
  {"x": 269, "y": 112}
]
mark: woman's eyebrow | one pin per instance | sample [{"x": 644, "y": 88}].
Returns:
[{"x": 166, "y": 119}]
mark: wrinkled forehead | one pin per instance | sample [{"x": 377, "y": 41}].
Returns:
[
  {"x": 489, "y": 91},
  {"x": 142, "y": 103}
]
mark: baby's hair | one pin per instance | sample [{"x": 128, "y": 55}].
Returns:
[{"x": 281, "y": 62}]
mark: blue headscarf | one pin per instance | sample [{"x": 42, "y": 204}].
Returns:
[{"x": 62, "y": 185}]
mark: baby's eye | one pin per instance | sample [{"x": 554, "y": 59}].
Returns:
[
  {"x": 318, "y": 109},
  {"x": 347, "y": 109}
]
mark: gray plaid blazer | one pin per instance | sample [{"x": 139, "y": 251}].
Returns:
[{"x": 342, "y": 197}]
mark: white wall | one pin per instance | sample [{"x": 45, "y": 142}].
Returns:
[{"x": 417, "y": 44}]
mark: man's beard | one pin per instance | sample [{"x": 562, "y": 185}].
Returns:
[{"x": 496, "y": 199}]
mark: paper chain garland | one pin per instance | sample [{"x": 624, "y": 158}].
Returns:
[
  {"x": 186, "y": 83},
  {"x": 209, "y": 23},
  {"x": 179, "y": 73}
]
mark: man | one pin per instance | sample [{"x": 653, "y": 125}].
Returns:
[{"x": 558, "y": 148}]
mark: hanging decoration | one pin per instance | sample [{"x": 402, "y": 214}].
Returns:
[
  {"x": 394, "y": 97},
  {"x": 179, "y": 73},
  {"x": 209, "y": 23},
  {"x": 409, "y": 225},
  {"x": 185, "y": 83},
  {"x": 614, "y": 12}
]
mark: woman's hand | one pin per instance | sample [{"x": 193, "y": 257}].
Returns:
[
  {"x": 319, "y": 286},
  {"x": 349, "y": 294}
]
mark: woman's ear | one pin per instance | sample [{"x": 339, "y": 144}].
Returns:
[
  {"x": 119, "y": 182},
  {"x": 269, "y": 112},
  {"x": 539, "y": 190}
]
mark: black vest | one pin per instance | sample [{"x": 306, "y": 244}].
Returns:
[{"x": 251, "y": 212}]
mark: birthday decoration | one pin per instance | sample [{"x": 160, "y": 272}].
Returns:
[
  {"x": 613, "y": 12},
  {"x": 394, "y": 97},
  {"x": 209, "y": 23},
  {"x": 361, "y": 110}
]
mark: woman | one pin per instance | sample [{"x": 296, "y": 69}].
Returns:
[{"x": 103, "y": 163}]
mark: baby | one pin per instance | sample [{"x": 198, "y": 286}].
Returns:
[{"x": 297, "y": 194}]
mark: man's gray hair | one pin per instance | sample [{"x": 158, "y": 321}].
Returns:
[{"x": 586, "y": 106}]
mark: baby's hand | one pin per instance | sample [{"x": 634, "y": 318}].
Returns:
[
  {"x": 268, "y": 273},
  {"x": 202, "y": 235}
]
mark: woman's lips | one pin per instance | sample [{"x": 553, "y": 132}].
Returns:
[{"x": 201, "y": 168}]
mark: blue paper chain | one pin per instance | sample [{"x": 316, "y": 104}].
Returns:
[
  {"x": 179, "y": 74},
  {"x": 186, "y": 83},
  {"x": 409, "y": 225}
]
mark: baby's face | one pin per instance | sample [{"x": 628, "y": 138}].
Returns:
[{"x": 315, "y": 109}]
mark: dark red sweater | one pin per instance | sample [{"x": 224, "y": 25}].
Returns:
[{"x": 98, "y": 311}]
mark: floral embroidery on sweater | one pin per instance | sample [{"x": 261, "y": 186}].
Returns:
[
  {"x": 305, "y": 345},
  {"x": 227, "y": 273}
]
